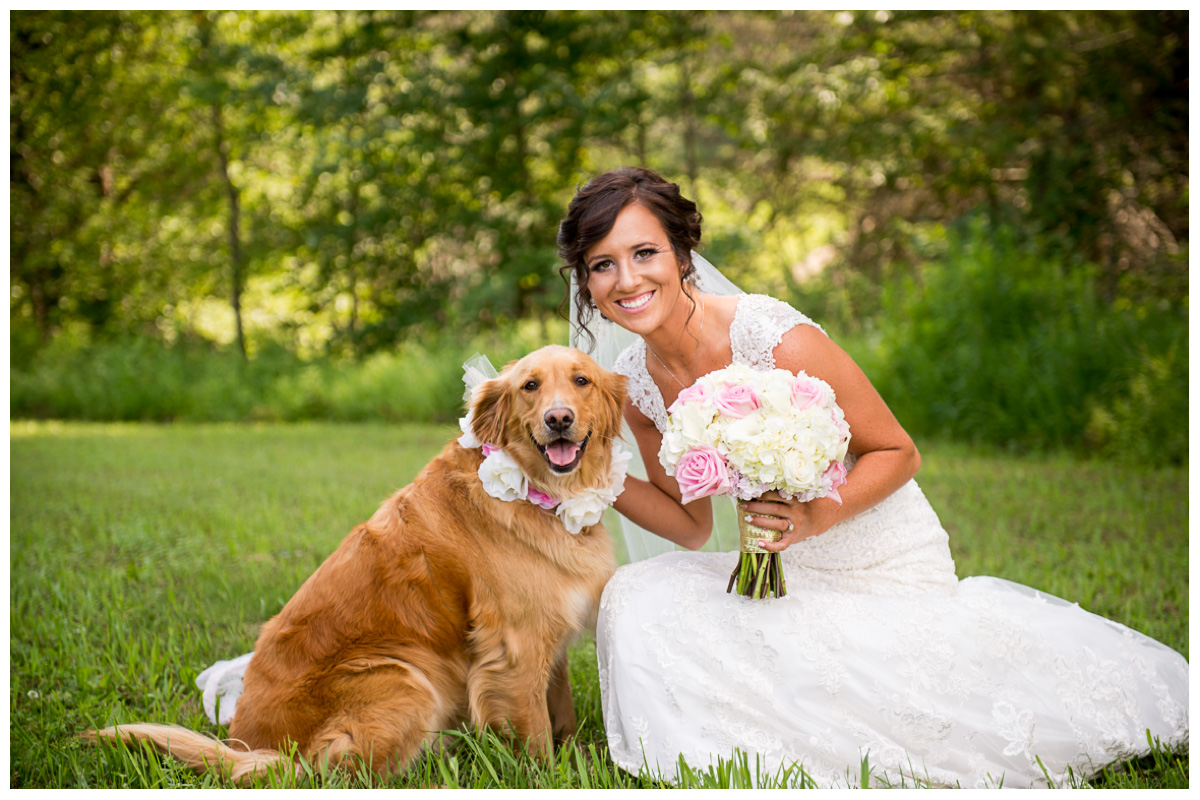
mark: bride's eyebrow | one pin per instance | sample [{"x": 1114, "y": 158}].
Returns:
[{"x": 632, "y": 248}]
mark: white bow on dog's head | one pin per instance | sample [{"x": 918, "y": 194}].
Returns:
[{"x": 476, "y": 370}]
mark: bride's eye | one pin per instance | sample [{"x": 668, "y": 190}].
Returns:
[
  {"x": 645, "y": 253},
  {"x": 600, "y": 266}
]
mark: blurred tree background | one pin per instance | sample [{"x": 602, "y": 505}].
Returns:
[{"x": 285, "y": 215}]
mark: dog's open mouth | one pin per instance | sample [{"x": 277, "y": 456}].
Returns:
[{"x": 563, "y": 455}]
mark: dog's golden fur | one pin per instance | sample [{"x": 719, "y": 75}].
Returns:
[{"x": 446, "y": 607}]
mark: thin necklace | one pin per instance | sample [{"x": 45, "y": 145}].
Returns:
[{"x": 695, "y": 361}]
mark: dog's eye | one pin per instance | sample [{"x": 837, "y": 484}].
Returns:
[
  {"x": 531, "y": 386},
  {"x": 581, "y": 381}
]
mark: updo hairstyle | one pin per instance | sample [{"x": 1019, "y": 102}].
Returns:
[{"x": 593, "y": 212}]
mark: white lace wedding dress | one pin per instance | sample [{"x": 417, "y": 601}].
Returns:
[{"x": 877, "y": 651}]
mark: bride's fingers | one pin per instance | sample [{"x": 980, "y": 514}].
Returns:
[
  {"x": 776, "y": 547},
  {"x": 770, "y": 522},
  {"x": 763, "y": 508},
  {"x": 785, "y": 527},
  {"x": 788, "y": 537}
]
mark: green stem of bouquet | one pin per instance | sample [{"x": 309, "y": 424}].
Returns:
[
  {"x": 761, "y": 582},
  {"x": 758, "y": 575}
]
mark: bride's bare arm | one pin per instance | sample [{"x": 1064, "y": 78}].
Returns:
[
  {"x": 887, "y": 457},
  {"x": 654, "y": 504}
]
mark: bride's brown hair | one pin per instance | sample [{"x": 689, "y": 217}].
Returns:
[{"x": 593, "y": 212}]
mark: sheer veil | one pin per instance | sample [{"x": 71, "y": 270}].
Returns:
[{"x": 610, "y": 341}]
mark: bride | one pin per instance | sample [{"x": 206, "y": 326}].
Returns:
[{"x": 878, "y": 650}]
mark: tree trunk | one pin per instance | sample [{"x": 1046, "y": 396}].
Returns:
[
  {"x": 235, "y": 246},
  {"x": 687, "y": 104}
]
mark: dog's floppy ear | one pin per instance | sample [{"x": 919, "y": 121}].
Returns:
[
  {"x": 612, "y": 391},
  {"x": 489, "y": 411}
]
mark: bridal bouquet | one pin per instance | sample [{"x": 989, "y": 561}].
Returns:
[{"x": 741, "y": 432}]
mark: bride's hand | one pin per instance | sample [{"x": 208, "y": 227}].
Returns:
[{"x": 795, "y": 521}]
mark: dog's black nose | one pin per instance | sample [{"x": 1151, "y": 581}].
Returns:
[{"x": 559, "y": 419}]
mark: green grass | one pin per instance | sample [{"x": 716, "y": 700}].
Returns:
[{"x": 140, "y": 554}]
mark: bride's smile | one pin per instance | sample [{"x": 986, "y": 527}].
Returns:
[{"x": 635, "y": 305}]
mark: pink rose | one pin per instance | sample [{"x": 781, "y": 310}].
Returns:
[
  {"x": 736, "y": 400},
  {"x": 807, "y": 393},
  {"x": 835, "y": 476},
  {"x": 697, "y": 392},
  {"x": 702, "y": 473}
]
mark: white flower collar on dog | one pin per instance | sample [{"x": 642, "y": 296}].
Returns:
[{"x": 503, "y": 478}]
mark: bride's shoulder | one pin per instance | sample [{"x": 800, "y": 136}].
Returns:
[
  {"x": 760, "y": 325},
  {"x": 766, "y": 303},
  {"x": 762, "y": 312}
]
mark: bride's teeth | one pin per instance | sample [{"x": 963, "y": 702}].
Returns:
[{"x": 635, "y": 303}]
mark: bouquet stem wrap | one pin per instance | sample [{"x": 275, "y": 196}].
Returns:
[{"x": 759, "y": 572}]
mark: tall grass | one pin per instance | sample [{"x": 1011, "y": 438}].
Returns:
[
  {"x": 1001, "y": 341},
  {"x": 140, "y": 554},
  {"x": 137, "y": 379}
]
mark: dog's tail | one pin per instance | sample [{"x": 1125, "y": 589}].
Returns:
[{"x": 199, "y": 752}]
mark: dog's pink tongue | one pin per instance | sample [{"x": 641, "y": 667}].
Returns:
[{"x": 562, "y": 452}]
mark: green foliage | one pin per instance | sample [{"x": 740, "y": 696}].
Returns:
[
  {"x": 995, "y": 342},
  {"x": 358, "y": 176},
  {"x": 96, "y": 140},
  {"x": 1146, "y": 413},
  {"x": 140, "y": 554}
]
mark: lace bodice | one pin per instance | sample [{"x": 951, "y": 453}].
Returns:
[{"x": 759, "y": 323}]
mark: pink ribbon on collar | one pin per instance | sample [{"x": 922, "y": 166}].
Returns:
[{"x": 542, "y": 499}]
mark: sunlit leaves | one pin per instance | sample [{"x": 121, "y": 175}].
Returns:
[{"x": 402, "y": 170}]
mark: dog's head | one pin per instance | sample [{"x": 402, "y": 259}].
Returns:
[{"x": 556, "y": 412}]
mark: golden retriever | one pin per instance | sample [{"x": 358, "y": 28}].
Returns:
[{"x": 446, "y": 607}]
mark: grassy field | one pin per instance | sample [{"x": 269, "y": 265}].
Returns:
[{"x": 140, "y": 554}]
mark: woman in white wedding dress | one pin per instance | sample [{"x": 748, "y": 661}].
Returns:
[{"x": 878, "y": 650}]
